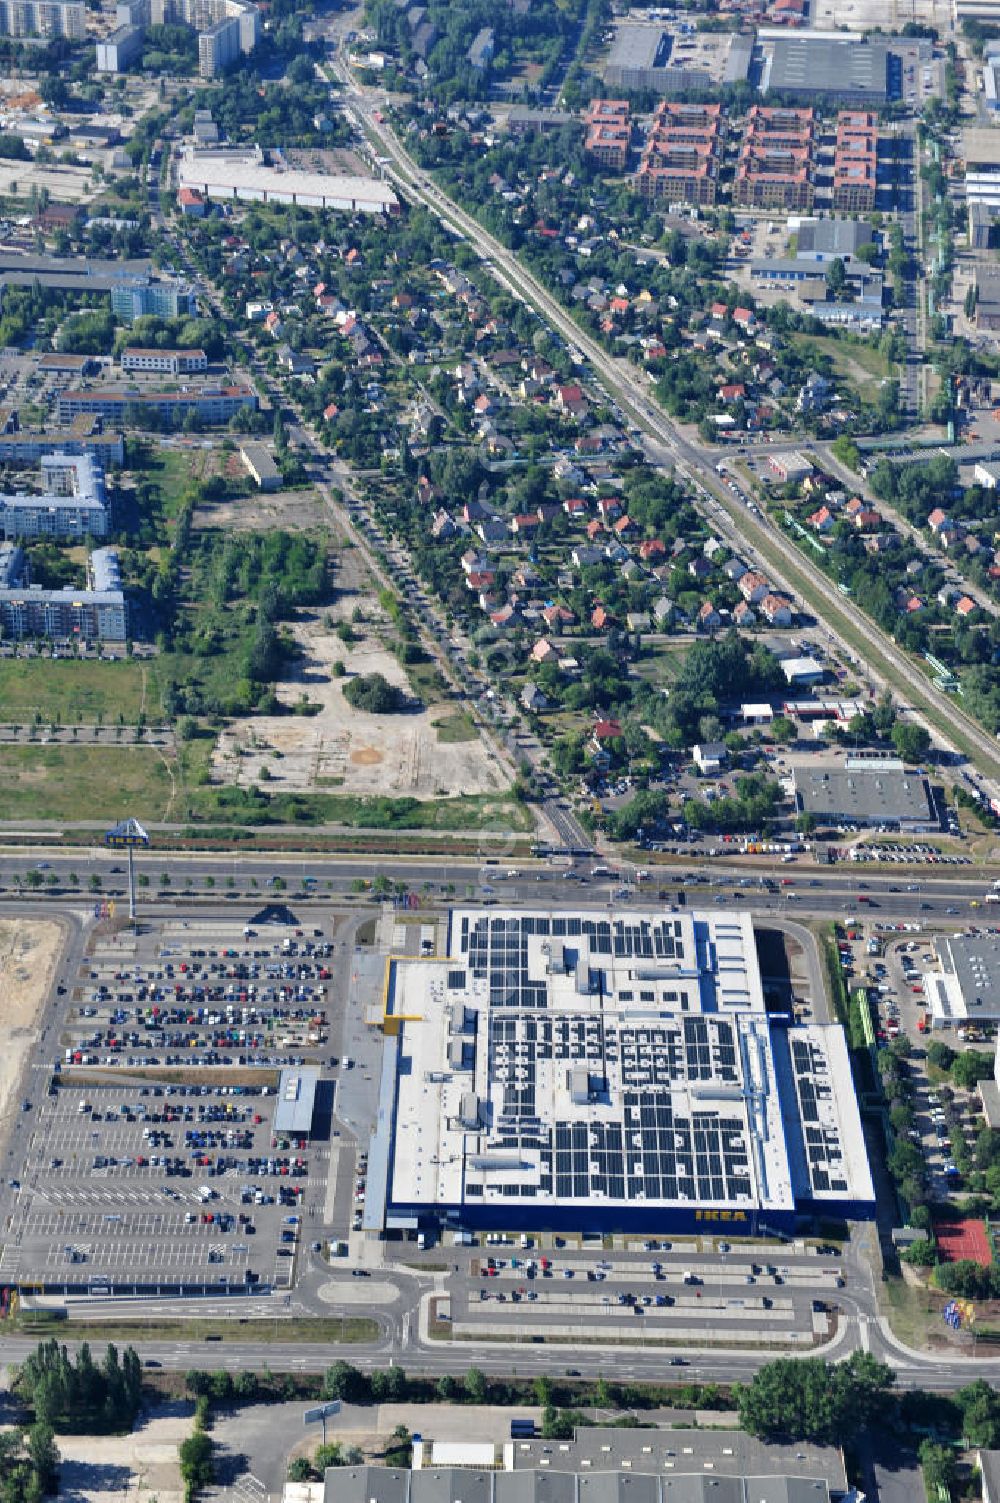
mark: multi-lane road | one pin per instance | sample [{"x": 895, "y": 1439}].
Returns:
[{"x": 933, "y": 895}]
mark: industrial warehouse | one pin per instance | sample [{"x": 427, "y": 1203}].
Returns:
[
  {"x": 567, "y": 1071},
  {"x": 243, "y": 173}
]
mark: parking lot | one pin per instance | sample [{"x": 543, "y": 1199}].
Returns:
[
  {"x": 891, "y": 966},
  {"x": 674, "y": 1292},
  {"x": 140, "y": 1176},
  {"x": 209, "y": 995}
]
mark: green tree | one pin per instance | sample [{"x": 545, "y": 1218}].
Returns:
[
  {"x": 980, "y": 1406},
  {"x": 912, "y": 742},
  {"x": 197, "y": 1463},
  {"x": 347, "y": 1383},
  {"x": 474, "y": 1386},
  {"x": 374, "y": 693},
  {"x": 938, "y": 1465},
  {"x": 920, "y": 1254},
  {"x": 970, "y": 1068},
  {"x": 809, "y": 1399},
  {"x": 44, "y": 1454}
]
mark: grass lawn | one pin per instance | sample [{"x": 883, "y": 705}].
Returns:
[
  {"x": 67, "y": 691},
  {"x": 83, "y": 782},
  {"x": 662, "y": 664},
  {"x": 849, "y": 360},
  {"x": 914, "y": 1313},
  {"x": 472, "y": 812},
  {"x": 455, "y": 728},
  {"x": 320, "y": 1328}
]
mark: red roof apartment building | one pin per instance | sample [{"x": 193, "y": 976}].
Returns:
[
  {"x": 609, "y": 132},
  {"x": 681, "y": 158},
  {"x": 855, "y": 161},
  {"x": 775, "y": 168}
]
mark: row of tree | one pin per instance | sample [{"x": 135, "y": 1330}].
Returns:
[{"x": 78, "y": 1395}]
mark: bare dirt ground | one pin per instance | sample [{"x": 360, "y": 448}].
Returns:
[
  {"x": 347, "y": 751},
  {"x": 141, "y": 1467},
  {"x": 28, "y": 953},
  {"x": 299, "y": 510}
]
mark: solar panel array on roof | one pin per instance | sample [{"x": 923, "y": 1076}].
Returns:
[
  {"x": 824, "y": 1151},
  {"x": 619, "y": 1061}
]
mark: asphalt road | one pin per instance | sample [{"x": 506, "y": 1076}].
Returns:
[{"x": 881, "y": 894}]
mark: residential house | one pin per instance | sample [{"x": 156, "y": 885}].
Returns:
[
  {"x": 776, "y": 610},
  {"x": 584, "y": 557},
  {"x": 708, "y": 618},
  {"x": 743, "y": 614},
  {"x": 652, "y": 551},
  {"x": 753, "y": 587},
  {"x": 571, "y": 400},
  {"x": 710, "y": 756},
  {"x": 558, "y": 617},
  {"x": 534, "y": 700}
]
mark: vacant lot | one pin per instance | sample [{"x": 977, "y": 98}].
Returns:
[
  {"x": 70, "y": 692},
  {"x": 141, "y": 1467},
  {"x": 83, "y": 782},
  {"x": 341, "y": 749},
  {"x": 295, "y": 510},
  {"x": 28, "y": 952},
  {"x": 432, "y": 751}
]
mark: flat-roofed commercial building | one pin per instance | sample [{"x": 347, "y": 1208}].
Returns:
[
  {"x": 261, "y": 466},
  {"x": 803, "y": 66},
  {"x": 571, "y": 1071},
  {"x": 169, "y": 362},
  {"x": 866, "y": 797},
  {"x": 296, "y": 1103},
  {"x": 600, "y": 1464},
  {"x": 964, "y": 987},
  {"x": 679, "y": 63},
  {"x": 242, "y": 174}
]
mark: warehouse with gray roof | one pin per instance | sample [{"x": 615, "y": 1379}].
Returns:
[{"x": 866, "y": 797}]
